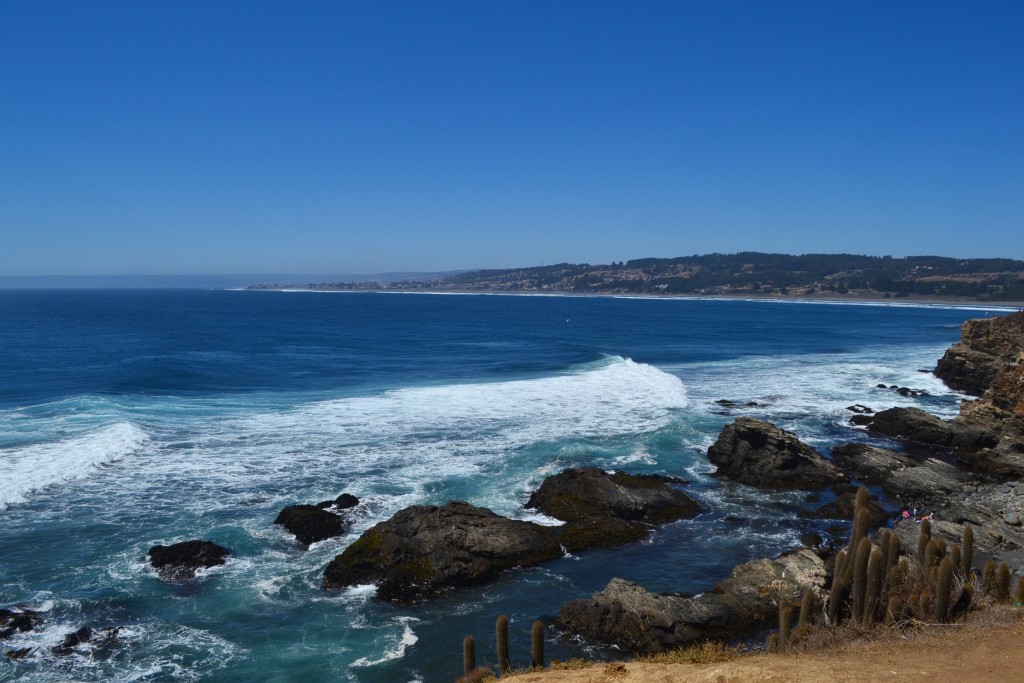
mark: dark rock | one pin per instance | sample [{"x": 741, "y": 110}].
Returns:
[
  {"x": 629, "y": 617},
  {"x": 21, "y": 620},
  {"x": 858, "y": 408},
  {"x": 576, "y": 494},
  {"x": 869, "y": 463},
  {"x": 930, "y": 481},
  {"x": 881, "y": 386},
  {"x": 342, "y": 502},
  {"x": 844, "y": 507},
  {"x": 914, "y": 424},
  {"x": 811, "y": 540},
  {"x": 178, "y": 562},
  {"x": 986, "y": 345},
  {"x": 19, "y": 653},
  {"x": 725, "y": 403},
  {"x": 760, "y": 454},
  {"x": 424, "y": 550},
  {"x": 861, "y": 420},
  {"x": 83, "y": 636},
  {"x": 72, "y": 640},
  {"x": 310, "y": 523},
  {"x": 601, "y": 532}
]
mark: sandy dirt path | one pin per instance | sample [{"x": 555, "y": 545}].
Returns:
[{"x": 971, "y": 654}]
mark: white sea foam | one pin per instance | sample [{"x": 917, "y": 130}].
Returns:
[
  {"x": 31, "y": 468},
  {"x": 407, "y": 639}
]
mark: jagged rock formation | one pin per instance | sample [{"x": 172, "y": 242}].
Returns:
[
  {"x": 609, "y": 509},
  {"x": 986, "y": 345},
  {"x": 629, "y": 617},
  {"x": 312, "y": 523},
  {"x": 425, "y": 549},
  {"x": 760, "y": 454},
  {"x": 179, "y": 562}
]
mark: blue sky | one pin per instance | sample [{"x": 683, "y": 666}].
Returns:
[{"x": 360, "y": 137}]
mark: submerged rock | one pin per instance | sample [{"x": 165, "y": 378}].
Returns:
[
  {"x": 18, "y": 620},
  {"x": 424, "y": 550},
  {"x": 760, "y": 454},
  {"x": 343, "y": 502},
  {"x": 628, "y": 616},
  {"x": 179, "y": 562}
]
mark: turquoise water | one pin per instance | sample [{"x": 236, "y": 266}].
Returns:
[{"x": 131, "y": 418}]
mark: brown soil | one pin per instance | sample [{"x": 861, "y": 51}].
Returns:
[{"x": 988, "y": 649}]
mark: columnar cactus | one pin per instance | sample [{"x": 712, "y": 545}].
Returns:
[
  {"x": 807, "y": 609},
  {"x": 502, "y": 636},
  {"x": 967, "y": 554},
  {"x": 537, "y": 645},
  {"x": 860, "y": 577},
  {"x": 923, "y": 539},
  {"x": 785, "y": 623},
  {"x": 876, "y": 576},
  {"x": 1002, "y": 587},
  {"x": 468, "y": 655},
  {"x": 943, "y": 590}
]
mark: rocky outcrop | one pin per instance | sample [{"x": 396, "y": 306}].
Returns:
[
  {"x": 311, "y": 523},
  {"x": 844, "y": 507},
  {"x": 629, "y": 617},
  {"x": 870, "y": 464},
  {"x": 760, "y": 454},
  {"x": 914, "y": 424},
  {"x": 610, "y": 508},
  {"x": 179, "y": 562},
  {"x": 424, "y": 550},
  {"x": 986, "y": 345},
  {"x": 19, "y": 620}
]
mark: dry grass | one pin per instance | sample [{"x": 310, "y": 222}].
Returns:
[{"x": 707, "y": 652}]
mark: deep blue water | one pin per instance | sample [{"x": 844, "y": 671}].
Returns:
[{"x": 130, "y": 418}]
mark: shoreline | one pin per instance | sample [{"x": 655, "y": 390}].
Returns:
[{"x": 909, "y": 302}]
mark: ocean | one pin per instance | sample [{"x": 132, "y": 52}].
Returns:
[{"x": 130, "y": 418}]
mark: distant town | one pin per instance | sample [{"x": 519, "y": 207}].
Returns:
[{"x": 742, "y": 274}]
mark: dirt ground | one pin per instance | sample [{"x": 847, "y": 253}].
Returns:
[{"x": 973, "y": 653}]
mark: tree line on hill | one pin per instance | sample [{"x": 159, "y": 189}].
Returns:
[{"x": 760, "y": 273}]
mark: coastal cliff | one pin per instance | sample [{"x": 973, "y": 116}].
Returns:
[{"x": 986, "y": 347}]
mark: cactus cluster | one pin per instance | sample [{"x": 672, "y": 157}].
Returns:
[
  {"x": 872, "y": 583},
  {"x": 469, "y": 667}
]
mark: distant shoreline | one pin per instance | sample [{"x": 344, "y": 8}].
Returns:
[{"x": 910, "y": 301}]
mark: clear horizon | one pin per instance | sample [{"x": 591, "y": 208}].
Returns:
[{"x": 260, "y": 137}]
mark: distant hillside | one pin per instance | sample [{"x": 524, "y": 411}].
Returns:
[
  {"x": 213, "y": 281},
  {"x": 749, "y": 273}
]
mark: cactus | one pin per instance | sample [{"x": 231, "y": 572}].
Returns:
[
  {"x": 785, "y": 622},
  {"x": 860, "y": 577},
  {"x": 839, "y": 569},
  {"x": 922, "y": 602},
  {"x": 468, "y": 655},
  {"x": 987, "y": 577},
  {"x": 967, "y": 554},
  {"x": 940, "y": 549},
  {"x": 894, "y": 552},
  {"x": 1018, "y": 598},
  {"x": 502, "y": 636},
  {"x": 537, "y": 645},
  {"x": 1002, "y": 582},
  {"x": 943, "y": 589},
  {"x": 807, "y": 609},
  {"x": 861, "y": 523},
  {"x": 863, "y": 496},
  {"x": 955, "y": 555},
  {"x": 876, "y": 575},
  {"x": 923, "y": 539},
  {"x": 773, "y": 643},
  {"x": 931, "y": 554},
  {"x": 883, "y": 543},
  {"x": 894, "y": 611},
  {"x": 837, "y": 596}
]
